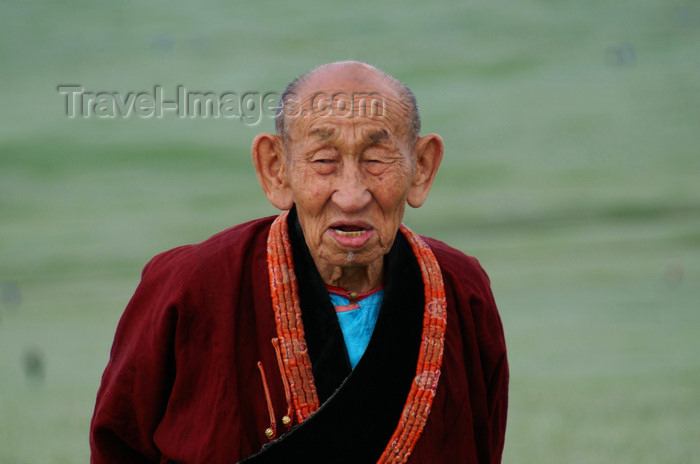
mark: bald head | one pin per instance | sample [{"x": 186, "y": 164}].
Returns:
[{"x": 348, "y": 74}]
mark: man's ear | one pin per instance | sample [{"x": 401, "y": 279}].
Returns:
[
  {"x": 428, "y": 154},
  {"x": 270, "y": 161}
]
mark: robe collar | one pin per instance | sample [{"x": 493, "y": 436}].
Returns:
[{"x": 376, "y": 412}]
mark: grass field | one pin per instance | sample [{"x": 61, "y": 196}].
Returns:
[{"x": 572, "y": 171}]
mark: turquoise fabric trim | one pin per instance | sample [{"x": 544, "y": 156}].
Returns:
[{"x": 358, "y": 324}]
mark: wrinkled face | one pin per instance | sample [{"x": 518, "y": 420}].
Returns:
[{"x": 350, "y": 178}]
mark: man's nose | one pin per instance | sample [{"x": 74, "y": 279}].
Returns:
[{"x": 351, "y": 193}]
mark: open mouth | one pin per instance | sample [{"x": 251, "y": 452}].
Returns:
[{"x": 349, "y": 230}]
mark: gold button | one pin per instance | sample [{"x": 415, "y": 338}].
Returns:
[
  {"x": 286, "y": 420},
  {"x": 353, "y": 296},
  {"x": 269, "y": 432}
]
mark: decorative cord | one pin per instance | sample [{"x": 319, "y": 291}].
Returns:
[
  {"x": 271, "y": 431},
  {"x": 287, "y": 419}
]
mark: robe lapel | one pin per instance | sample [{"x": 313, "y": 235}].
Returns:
[{"x": 324, "y": 338}]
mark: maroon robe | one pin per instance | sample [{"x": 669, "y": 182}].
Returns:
[{"x": 183, "y": 382}]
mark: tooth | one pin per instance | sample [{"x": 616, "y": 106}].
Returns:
[{"x": 354, "y": 233}]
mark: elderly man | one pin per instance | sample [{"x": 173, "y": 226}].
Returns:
[{"x": 329, "y": 334}]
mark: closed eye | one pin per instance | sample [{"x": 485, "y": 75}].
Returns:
[
  {"x": 323, "y": 155},
  {"x": 324, "y": 161}
]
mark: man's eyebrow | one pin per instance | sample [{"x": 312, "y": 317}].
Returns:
[
  {"x": 322, "y": 133},
  {"x": 378, "y": 136}
]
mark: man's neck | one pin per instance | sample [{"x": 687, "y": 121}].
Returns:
[{"x": 358, "y": 279}]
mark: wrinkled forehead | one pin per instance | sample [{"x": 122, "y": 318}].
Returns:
[{"x": 369, "y": 103}]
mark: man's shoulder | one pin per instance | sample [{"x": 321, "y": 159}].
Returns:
[
  {"x": 223, "y": 246},
  {"x": 459, "y": 268},
  {"x": 450, "y": 258}
]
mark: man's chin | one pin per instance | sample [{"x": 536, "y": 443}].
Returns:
[{"x": 356, "y": 258}]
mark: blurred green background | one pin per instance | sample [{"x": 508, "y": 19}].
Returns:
[{"x": 572, "y": 171}]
